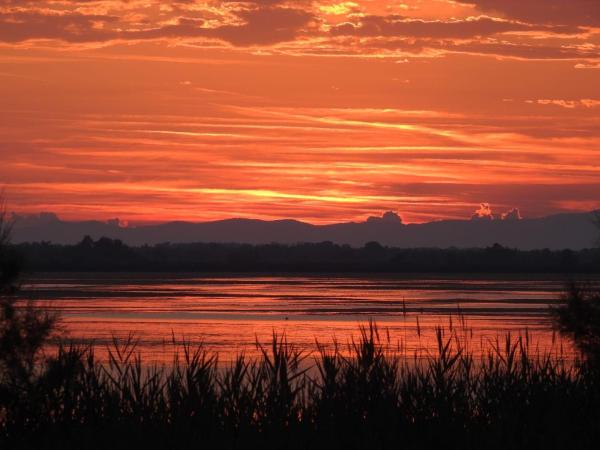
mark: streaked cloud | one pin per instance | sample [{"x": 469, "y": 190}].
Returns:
[
  {"x": 576, "y": 12},
  {"x": 317, "y": 110},
  {"x": 568, "y": 104},
  {"x": 417, "y": 28}
]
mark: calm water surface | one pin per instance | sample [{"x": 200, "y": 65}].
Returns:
[{"x": 230, "y": 313}]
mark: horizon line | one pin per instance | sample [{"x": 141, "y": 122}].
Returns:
[{"x": 115, "y": 221}]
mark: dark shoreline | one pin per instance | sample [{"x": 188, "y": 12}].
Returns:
[
  {"x": 112, "y": 256},
  {"x": 385, "y": 276}
]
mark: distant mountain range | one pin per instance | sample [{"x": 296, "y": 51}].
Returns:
[{"x": 561, "y": 231}]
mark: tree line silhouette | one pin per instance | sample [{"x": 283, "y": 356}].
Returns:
[
  {"x": 107, "y": 254},
  {"x": 364, "y": 397}
]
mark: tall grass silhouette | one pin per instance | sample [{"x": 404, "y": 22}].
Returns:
[{"x": 364, "y": 396}]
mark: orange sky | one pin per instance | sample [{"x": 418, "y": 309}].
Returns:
[{"x": 315, "y": 110}]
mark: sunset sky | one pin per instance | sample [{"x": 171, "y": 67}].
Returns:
[{"x": 320, "y": 111}]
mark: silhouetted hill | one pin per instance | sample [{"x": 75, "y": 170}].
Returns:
[{"x": 563, "y": 231}]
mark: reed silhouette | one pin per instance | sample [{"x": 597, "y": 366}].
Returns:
[{"x": 364, "y": 395}]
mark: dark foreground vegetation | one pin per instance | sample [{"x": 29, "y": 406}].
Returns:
[
  {"x": 369, "y": 399},
  {"x": 112, "y": 255},
  {"x": 364, "y": 396}
]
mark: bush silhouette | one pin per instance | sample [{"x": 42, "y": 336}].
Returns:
[
  {"x": 24, "y": 329},
  {"x": 367, "y": 396},
  {"x": 579, "y": 316}
]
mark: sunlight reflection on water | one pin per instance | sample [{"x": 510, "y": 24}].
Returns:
[{"x": 229, "y": 314}]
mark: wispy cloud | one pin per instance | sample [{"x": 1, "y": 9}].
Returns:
[
  {"x": 324, "y": 111},
  {"x": 419, "y": 28}
]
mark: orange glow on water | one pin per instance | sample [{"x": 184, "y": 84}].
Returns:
[{"x": 230, "y": 314}]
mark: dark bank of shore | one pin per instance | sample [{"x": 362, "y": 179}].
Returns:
[{"x": 107, "y": 255}]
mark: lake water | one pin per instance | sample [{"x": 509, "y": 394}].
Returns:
[{"x": 230, "y": 313}]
